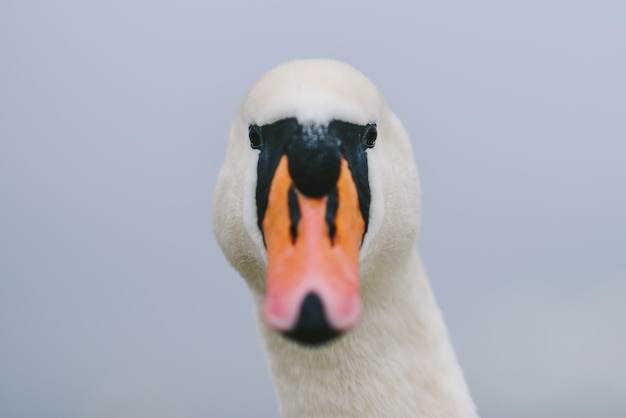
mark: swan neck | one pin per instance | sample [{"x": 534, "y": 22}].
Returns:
[{"x": 397, "y": 362}]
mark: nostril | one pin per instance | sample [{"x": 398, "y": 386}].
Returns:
[{"x": 312, "y": 327}]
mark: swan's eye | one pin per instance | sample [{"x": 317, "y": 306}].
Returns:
[
  {"x": 370, "y": 135},
  {"x": 254, "y": 134}
]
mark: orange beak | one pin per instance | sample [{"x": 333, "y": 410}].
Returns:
[{"x": 312, "y": 248}]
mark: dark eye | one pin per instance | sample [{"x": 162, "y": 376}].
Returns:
[
  {"x": 370, "y": 135},
  {"x": 254, "y": 133}
]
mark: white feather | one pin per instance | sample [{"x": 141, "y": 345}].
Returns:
[{"x": 398, "y": 362}]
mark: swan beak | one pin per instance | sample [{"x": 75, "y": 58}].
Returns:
[{"x": 312, "y": 286}]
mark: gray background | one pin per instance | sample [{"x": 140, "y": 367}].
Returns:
[{"x": 114, "y": 298}]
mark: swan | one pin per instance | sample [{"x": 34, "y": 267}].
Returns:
[{"x": 317, "y": 207}]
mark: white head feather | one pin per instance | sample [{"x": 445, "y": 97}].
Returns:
[
  {"x": 318, "y": 91},
  {"x": 398, "y": 361}
]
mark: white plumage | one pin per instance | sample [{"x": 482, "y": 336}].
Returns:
[{"x": 398, "y": 361}]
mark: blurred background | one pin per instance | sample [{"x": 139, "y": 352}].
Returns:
[{"x": 115, "y": 300}]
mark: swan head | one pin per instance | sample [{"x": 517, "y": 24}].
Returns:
[{"x": 318, "y": 196}]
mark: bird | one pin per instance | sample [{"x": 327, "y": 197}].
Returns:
[{"x": 317, "y": 206}]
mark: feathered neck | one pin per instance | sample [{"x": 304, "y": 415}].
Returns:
[{"x": 398, "y": 362}]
